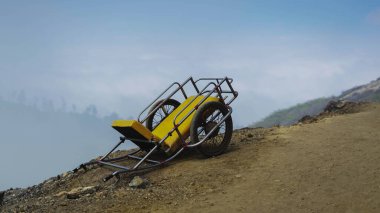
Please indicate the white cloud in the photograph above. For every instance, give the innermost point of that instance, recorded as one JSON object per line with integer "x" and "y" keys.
{"x": 270, "y": 73}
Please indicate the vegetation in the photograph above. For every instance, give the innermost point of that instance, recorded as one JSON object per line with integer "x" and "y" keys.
{"x": 293, "y": 114}
{"x": 369, "y": 92}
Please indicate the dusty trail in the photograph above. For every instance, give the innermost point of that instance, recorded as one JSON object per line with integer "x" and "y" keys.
{"x": 332, "y": 165}
{"x": 329, "y": 166}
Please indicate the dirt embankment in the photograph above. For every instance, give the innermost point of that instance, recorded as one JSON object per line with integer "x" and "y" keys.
{"x": 331, "y": 164}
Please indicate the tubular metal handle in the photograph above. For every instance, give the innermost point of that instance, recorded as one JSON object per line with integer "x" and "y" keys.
{"x": 107, "y": 178}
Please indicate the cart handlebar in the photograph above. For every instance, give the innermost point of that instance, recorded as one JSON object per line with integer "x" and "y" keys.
{"x": 217, "y": 82}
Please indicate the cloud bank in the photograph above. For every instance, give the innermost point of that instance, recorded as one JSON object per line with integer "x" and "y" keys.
{"x": 270, "y": 72}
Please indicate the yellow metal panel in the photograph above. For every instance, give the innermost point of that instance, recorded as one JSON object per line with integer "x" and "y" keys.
{"x": 173, "y": 142}
{"x": 137, "y": 126}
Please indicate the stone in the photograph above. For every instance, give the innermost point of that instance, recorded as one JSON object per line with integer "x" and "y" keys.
{"x": 61, "y": 194}
{"x": 72, "y": 196}
{"x": 77, "y": 192}
{"x": 49, "y": 181}
{"x": 65, "y": 174}
{"x": 307, "y": 119}
{"x": 1, "y": 197}
{"x": 137, "y": 182}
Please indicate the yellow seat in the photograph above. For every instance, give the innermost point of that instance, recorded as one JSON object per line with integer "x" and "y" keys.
{"x": 173, "y": 142}
{"x": 138, "y": 133}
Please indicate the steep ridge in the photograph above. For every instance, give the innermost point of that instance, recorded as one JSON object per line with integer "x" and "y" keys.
{"x": 368, "y": 92}
{"x": 331, "y": 164}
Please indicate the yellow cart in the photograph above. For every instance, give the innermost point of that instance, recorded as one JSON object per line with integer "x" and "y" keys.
{"x": 183, "y": 116}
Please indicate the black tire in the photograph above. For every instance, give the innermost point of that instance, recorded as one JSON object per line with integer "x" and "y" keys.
{"x": 218, "y": 141}
{"x": 160, "y": 114}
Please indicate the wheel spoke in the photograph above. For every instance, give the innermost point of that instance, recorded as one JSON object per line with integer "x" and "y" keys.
{"x": 215, "y": 141}
{"x": 161, "y": 112}
{"x": 211, "y": 121}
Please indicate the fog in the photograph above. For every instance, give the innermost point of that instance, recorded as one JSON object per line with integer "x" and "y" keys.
{"x": 37, "y": 144}
{"x": 66, "y": 66}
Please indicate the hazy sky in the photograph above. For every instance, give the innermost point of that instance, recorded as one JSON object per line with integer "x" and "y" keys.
{"x": 120, "y": 54}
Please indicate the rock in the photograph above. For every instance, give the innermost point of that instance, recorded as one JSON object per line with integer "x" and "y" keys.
{"x": 61, "y": 194}
{"x": 1, "y": 197}
{"x": 334, "y": 106}
{"x": 72, "y": 196}
{"x": 64, "y": 175}
{"x": 49, "y": 181}
{"x": 137, "y": 182}
{"x": 307, "y": 119}
{"x": 77, "y": 192}
{"x": 343, "y": 107}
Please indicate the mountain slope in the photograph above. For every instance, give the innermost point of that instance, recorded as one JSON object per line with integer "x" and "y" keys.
{"x": 293, "y": 114}
{"x": 369, "y": 92}
{"x": 331, "y": 165}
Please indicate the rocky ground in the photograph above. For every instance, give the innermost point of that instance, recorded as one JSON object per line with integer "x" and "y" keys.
{"x": 328, "y": 163}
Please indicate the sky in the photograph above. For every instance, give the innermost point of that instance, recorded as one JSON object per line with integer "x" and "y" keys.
{"x": 119, "y": 55}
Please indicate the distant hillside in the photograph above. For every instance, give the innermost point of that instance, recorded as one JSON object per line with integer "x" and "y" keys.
{"x": 368, "y": 92}
{"x": 293, "y": 114}
{"x": 52, "y": 140}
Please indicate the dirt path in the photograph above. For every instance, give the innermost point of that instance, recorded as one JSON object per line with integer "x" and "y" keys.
{"x": 329, "y": 166}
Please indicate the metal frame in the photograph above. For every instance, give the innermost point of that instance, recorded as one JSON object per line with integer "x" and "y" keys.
{"x": 216, "y": 90}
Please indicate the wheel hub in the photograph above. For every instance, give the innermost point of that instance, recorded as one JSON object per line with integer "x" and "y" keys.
{"x": 209, "y": 126}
